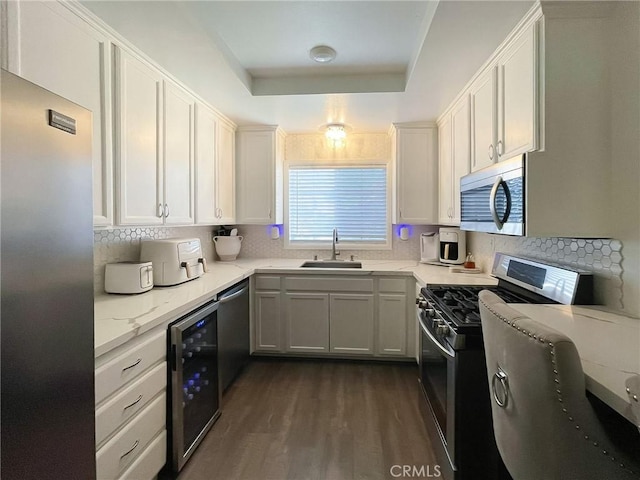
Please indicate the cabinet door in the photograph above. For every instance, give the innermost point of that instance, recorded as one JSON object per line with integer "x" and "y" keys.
{"x": 445, "y": 172}
{"x": 179, "y": 109}
{"x": 351, "y": 323}
{"x": 267, "y": 322}
{"x": 255, "y": 177}
{"x": 225, "y": 176}
{"x": 51, "y": 47}
{"x": 307, "y": 322}
{"x": 392, "y": 324}
{"x": 205, "y": 162}
{"x": 461, "y": 152}
{"x": 138, "y": 146}
{"x": 517, "y": 101}
{"x": 483, "y": 120}
{"x": 417, "y": 164}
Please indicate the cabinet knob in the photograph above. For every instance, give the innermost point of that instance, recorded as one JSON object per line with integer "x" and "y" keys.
{"x": 491, "y": 151}
{"x": 500, "y": 148}
{"x": 160, "y": 211}
{"x": 166, "y": 211}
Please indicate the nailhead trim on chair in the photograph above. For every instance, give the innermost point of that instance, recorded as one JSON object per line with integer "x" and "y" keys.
{"x": 556, "y": 380}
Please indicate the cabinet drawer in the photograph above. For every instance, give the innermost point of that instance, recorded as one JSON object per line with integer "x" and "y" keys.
{"x": 129, "y": 401}
{"x": 332, "y": 284}
{"x": 123, "y": 368}
{"x": 267, "y": 283}
{"x": 149, "y": 463}
{"x": 127, "y": 445}
{"x": 392, "y": 285}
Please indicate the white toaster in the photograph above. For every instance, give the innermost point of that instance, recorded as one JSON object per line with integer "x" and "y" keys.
{"x": 175, "y": 260}
{"x": 128, "y": 277}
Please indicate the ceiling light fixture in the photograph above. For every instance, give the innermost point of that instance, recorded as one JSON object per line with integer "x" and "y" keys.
{"x": 322, "y": 54}
{"x": 335, "y": 132}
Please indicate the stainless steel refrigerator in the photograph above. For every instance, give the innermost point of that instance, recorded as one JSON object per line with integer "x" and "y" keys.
{"x": 46, "y": 282}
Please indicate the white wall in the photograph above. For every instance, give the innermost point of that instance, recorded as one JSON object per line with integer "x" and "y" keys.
{"x": 625, "y": 152}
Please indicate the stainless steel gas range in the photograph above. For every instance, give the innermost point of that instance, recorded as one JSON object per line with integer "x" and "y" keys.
{"x": 456, "y": 404}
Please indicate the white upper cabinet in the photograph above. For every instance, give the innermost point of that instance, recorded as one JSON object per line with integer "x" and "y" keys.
{"x": 455, "y": 152}
{"x": 154, "y": 146}
{"x": 179, "y": 107}
{"x": 483, "y": 94}
{"x": 546, "y": 92}
{"x": 259, "y": 175}
{"x": 225, "y": 172}
{"x": 50, "y": 46}
{"x": 504, "y": 103}
{"x": 215, "y": 140}
{"x": 445, "y": 170}
{"x": 143, "y": 119}
{"x": 139, "y": 158}
{"x": 517, "y": 102}
{"x": 206, "y": 146}
{"x": 415, "y": 164}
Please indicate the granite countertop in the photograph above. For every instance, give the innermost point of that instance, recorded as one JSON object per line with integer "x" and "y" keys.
{"x": 120, "y": 318}
{"x": 608, "y": 344}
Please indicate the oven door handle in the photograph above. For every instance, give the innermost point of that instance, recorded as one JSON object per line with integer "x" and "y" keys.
{"x": 434, "y": 340}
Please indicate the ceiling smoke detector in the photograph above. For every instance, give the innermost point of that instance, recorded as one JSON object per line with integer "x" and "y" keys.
{"x": 322, "y": 54}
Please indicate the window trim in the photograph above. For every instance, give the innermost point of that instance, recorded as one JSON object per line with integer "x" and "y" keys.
{"x": 300, "y": 245}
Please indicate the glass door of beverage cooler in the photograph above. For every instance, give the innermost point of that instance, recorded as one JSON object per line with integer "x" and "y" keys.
{"x": 195, "y": 394}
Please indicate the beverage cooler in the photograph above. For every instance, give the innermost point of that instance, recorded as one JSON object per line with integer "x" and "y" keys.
{"x": 194, "y": 400}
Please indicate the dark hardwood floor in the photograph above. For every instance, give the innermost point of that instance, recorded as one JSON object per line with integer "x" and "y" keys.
{"x": 308, "y": 419}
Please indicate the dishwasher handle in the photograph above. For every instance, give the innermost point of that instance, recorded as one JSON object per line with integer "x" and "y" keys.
{"x": 227, "y": 297}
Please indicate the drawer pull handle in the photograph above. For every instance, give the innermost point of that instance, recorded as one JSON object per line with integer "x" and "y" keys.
{"x": 134, "y": 403}
{"x": 133, "y": 365}
{"x": 130, "y": 450}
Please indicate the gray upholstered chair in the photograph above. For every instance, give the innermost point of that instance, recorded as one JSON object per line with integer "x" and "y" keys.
{"x": 545, "y": 427}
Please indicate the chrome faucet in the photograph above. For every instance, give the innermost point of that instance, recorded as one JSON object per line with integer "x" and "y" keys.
{"x": 333, "y": 244}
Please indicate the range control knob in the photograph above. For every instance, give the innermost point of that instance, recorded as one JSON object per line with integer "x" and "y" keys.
{"x": 442, "y": 329}
{"x": 422, "y": 303}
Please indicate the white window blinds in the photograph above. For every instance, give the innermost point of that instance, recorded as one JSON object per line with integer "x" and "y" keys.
{"x": 351, "y": 199}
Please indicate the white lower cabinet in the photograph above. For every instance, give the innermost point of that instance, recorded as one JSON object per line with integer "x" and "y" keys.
{"x": 351, "y": 323}
{"x": 346, "y": 315}
{"x": 150, "y": 462}
{"x": 119, "y": 452}
{"x": 267, "y": 321}
{"x": 307, "y": 319}
{"x": 267, "y": 331}
{"x": 392, "y": 325}
{"x": 131, "y": 383}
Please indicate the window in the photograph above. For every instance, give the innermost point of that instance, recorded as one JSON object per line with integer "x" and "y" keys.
{"x": 351, "y": 199}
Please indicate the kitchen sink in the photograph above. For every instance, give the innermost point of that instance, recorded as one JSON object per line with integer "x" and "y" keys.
{"x": 331, "y": 264}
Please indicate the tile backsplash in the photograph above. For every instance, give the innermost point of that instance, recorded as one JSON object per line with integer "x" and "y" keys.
{"x": 603, "y": 257}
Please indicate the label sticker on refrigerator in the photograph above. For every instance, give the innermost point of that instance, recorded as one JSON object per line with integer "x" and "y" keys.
{"x": 58, "y": 120}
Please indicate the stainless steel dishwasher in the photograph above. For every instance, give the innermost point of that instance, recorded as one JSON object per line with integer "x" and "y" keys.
{"x": 233, "y": 332}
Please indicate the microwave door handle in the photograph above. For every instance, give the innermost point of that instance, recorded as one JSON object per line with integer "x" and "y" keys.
{"x": 492, "y": 202}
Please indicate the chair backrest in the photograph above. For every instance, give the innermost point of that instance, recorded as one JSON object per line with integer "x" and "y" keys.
{"x": 544, "y": 425}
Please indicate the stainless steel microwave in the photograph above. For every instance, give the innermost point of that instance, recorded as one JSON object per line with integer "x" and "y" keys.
{"x": 492, "y": 199}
